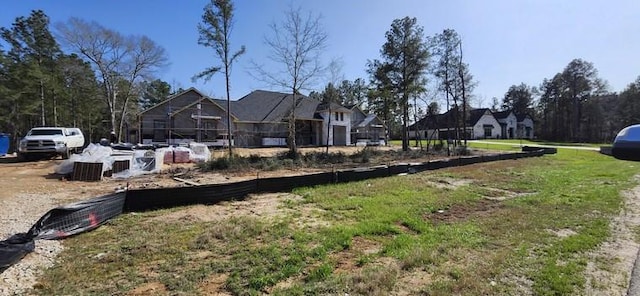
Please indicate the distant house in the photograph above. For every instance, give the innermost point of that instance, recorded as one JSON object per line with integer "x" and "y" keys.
{"x": 480, "y": 124}
{"x": 366, "y": 128}
{"x": 524, "y": 127}
{"x": 257, "y": 119}
{"x": 508, "y": 123}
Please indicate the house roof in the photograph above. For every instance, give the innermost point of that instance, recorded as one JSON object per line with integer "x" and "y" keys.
{"x": 334, "y": 107}
{"x": 269, "y": 106}
{"x": 522, "y": 117}
{"x": 368, "y": 120}
{"x": 171, "y": 97}
{"x": 264, "y": 106}
{"x": 502, "y": 114}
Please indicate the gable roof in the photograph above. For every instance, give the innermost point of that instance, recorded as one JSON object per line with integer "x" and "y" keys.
{"x": 522, "y": 117}
{"x": 324, "y": 106}
{"x": 502, "y": 114}
{"x": 269, "y": 106}
{"x": 476, "y": 114}
{"x": 171, "y": 97}
{"x": 371, "y": 118}
{"x": 261, "y": 106}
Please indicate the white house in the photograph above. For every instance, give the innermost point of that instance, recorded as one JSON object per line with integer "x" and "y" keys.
{"x": 508, "y": 123}
{"x": 480, "y": 124}
{"x": 336, "y": 124}
{"x": 524, "y": 127}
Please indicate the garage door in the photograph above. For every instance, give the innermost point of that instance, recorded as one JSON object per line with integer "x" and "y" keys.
{"x": 339, "y": 135}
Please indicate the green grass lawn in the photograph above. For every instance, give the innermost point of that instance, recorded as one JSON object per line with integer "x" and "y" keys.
{"x": 523, "y": 142}
{"x": 473, "y": 230}
{"x": 537, "y": 142}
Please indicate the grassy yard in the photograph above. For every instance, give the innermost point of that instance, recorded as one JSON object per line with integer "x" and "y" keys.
{"x": 486, "y": 229}
{"x": 533, "y": 143}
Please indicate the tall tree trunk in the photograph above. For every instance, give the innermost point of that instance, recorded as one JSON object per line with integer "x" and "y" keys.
{"x": 229, "y": 131}
{"x": 417, "y": 134}
{"x": 293, "y": 149}
{"x": 55, "y": 108}
{"x": 44, "y": 123}
{"x": 405, "y": 119}
{"x": 464, "y": 98}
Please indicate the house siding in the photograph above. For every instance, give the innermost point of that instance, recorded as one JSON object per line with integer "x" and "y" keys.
{"x": 486, "y": 120}
{"x": 173, "y": 120}
{"x": 525, "y": 128}
{"x": 341, "y": 126}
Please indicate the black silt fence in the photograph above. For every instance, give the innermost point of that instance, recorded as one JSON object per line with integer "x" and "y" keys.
{"x": 61, "y": 222}
{"x": 353, "y": 175}
{"x": 547, "y": 150}
{"x": 285, "y": 184}
{"x": 78, "y": 217}
{"x": 489, "y": 158}
{"x": 400, "y": 168}
{"x": 438, "y": 164}
{"x": 159, "y": 198}
{"x": 13, "y": 249}
{"x": 470, "y": 160}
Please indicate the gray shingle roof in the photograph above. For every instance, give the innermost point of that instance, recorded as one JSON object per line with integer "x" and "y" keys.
{"x": 268, "y": 106}
{"x": 501, "y": 114}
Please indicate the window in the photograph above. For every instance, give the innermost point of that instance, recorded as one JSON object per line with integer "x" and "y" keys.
{"x": 336, "y": 115}
{"x": 341, "y": 116}
{"x": 487, "y": 130}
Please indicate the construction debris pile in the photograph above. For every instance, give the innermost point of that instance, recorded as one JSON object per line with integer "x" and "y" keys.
{"x": 98, "y": 161}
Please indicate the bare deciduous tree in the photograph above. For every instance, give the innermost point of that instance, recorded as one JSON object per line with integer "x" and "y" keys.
{"x": 296, "y": 44}
{"x": 116, "y": 59}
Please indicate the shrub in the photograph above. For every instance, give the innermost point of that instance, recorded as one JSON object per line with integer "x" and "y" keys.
{"x": 225, "y": 163}
{"x": 364, "y": 155}
{"x": 220, "y": 163}
{"x": 325, "y": 158}
{"x": 289, "y": 155}
{"x": 255, "y": 158}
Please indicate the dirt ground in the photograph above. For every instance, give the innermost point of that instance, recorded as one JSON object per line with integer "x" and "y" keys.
{"x": 43, "y": 190}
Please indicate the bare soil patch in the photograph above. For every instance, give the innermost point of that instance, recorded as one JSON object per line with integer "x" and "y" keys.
{"x": 461, "y": 212}
{"x": 214, "y": 285}
{"x": 148, "y": 289}
{"x": 262, "y": 205}
{"x": 609, "y": 268}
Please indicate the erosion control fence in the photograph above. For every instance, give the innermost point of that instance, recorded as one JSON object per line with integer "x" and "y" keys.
{"x": 87, "y": 215}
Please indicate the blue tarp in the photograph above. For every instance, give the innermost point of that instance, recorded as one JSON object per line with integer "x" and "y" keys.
{"x": 4, "y": 144}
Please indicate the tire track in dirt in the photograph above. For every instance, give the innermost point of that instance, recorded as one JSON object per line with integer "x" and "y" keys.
{"x": 610, "y": 267}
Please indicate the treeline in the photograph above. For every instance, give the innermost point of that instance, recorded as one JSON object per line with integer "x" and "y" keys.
{"x": 577, "y": 106}
{"x": 98, "y": 84}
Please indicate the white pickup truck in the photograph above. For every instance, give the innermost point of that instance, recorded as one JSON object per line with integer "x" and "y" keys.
{"x": 49, "y": 141}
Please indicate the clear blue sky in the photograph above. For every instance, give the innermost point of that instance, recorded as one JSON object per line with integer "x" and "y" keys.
{"x": 505, "y": 42}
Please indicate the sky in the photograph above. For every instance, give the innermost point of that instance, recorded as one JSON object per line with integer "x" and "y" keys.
{"x": 505, "y": 42}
